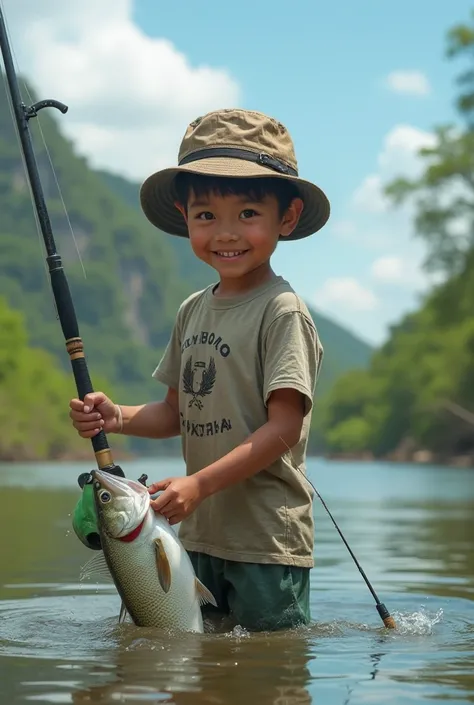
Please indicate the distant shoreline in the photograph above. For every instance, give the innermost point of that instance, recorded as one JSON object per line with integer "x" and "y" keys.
{"x": 421, "y": 457}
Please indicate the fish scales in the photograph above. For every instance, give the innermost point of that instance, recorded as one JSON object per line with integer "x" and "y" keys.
{"x": 147, "y": 562}
{"x": 133, "y": 567}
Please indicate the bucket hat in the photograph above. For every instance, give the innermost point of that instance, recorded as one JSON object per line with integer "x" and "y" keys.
{"x": 235, "y": 143}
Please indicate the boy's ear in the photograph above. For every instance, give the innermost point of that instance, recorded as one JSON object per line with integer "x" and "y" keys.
{"x": 291, "y": 217}
{"x": 182, "y": 210}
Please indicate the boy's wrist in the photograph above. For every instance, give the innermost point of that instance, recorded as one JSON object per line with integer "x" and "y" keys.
{"x": 118, "y": 418}
{"x": 204, "y": 483}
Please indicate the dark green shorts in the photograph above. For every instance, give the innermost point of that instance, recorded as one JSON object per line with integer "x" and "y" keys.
{"x": 258, "y": 596}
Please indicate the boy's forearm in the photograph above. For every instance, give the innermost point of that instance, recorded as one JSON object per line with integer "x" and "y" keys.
{"x": 153, "y": 420}
{"x": 259, "y": 451}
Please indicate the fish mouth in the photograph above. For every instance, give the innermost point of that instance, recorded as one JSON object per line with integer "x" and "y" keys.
{"x": 117, "y": 486}
{"x": 131, "y": 501}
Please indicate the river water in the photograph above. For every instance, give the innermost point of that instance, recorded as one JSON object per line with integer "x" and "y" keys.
{"x": 411, "y": 527}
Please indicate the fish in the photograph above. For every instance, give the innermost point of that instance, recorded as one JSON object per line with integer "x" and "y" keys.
{"x": 147, "y": 562}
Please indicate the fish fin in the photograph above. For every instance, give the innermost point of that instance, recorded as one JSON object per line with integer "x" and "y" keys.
{"x": 163, "y": 565}
{"x": 95, "y": 567}
{"x": 123, "y": 613}
{"x": 204, "y": 595}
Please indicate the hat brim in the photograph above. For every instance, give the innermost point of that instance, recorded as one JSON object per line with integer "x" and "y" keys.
{"x": 158, "y": 195}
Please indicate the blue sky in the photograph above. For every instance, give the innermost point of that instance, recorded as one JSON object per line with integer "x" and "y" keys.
{"x": 321, "y": 68}
{"x": 359, "y": 85}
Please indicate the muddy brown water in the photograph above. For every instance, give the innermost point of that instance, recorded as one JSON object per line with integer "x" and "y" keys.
{"x": 411, "y": 528}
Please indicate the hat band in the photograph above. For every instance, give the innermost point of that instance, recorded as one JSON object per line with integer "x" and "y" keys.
{"x": 262, "y": 158}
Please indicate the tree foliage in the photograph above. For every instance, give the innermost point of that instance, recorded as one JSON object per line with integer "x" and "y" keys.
{"x": 426, "y": 368}
{"x": 33, "y": 397}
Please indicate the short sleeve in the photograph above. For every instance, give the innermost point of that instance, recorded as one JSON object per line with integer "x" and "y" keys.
{"x": 292, "y": 356}
{"x": 168, "y": 369}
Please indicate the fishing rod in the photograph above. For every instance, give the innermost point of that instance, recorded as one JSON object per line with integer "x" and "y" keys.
{"x": 384, "y": 614}
{"x": 63, "y": 298}
{"x": 59, "y": 283}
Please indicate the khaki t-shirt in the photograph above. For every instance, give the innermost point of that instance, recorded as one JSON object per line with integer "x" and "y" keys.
{"x": 225, "y": 357}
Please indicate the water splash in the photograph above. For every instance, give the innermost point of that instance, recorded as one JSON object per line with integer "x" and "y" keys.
{"x": 417, "y": 623}
{"x": 239, "y": 632}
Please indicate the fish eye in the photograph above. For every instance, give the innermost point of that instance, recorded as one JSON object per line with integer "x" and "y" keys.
{"x": 104, "y": 496}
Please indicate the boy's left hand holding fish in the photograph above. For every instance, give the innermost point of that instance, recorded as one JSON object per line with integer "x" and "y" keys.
{"x": 181, "y": 495}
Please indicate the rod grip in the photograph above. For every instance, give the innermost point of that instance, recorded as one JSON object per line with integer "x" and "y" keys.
{"x": 84, "y": 386}
{"x": 63, "y": 298}
{"x": 75, "y": 347}
{"x": 385, "y": 616}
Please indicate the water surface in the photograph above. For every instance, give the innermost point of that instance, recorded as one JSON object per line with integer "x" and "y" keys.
{"x": 410, "y": 527}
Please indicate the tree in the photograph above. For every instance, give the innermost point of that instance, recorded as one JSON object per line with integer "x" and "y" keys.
{"x": 444, "y": 195}
{"x": 420, "y": 384}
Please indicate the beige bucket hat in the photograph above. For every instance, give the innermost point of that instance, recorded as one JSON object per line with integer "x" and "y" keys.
{"x": 237, "y": 143}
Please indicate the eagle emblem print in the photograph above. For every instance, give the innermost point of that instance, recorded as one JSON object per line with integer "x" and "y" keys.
{"x": 206, "y": 384}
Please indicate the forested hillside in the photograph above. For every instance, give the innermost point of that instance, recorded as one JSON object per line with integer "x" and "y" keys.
{"x": 127, "y": 280}
{"x": 416, "y": 400}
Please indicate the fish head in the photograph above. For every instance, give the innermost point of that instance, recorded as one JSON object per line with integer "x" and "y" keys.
{"x": 121, "y": 504}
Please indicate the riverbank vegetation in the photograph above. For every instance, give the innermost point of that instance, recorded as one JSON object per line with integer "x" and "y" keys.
{"x": 416, "y": 398}
{"x": 412, "y": 399}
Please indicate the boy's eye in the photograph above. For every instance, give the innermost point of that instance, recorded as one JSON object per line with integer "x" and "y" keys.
{"x": 248, "y": 213}
{"x": 205, "y": 215}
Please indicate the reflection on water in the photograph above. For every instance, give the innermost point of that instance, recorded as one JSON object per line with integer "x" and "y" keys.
{"x": 411, "y": 528}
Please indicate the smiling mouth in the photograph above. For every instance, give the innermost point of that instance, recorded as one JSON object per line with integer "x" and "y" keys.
{"x": 225, "y": 254}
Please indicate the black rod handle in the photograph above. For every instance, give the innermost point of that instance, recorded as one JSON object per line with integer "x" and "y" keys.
{"x": 60, "y": 287}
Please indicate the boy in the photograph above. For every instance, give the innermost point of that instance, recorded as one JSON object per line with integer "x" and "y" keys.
{"x": 240, "y": 368}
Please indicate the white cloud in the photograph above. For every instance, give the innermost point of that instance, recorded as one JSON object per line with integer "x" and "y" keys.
{"x": 403, "y": 272}
{"x": 382, "y": 240}
{"x": 369, "y": 196}
{"x": 370, "y": 237}
{"x": 412, "y": 82}
{"x": 130, "y": 96}
{"x": 401, "y": 148}
{"x": 388, "y": 269}
{"x": 345, "y": 293}
{"x": 399, "y": 156}
{"x": 399, "y": 271}
{"x": 343, "y": 228}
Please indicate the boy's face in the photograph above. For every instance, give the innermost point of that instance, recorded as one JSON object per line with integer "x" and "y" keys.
{"x": 236, "y": 235}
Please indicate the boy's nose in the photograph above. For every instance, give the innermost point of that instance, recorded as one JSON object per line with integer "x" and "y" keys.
{"x": 226, "y": 235}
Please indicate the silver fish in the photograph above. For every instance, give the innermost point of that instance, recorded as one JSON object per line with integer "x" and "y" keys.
{"x": 148, "y": 564}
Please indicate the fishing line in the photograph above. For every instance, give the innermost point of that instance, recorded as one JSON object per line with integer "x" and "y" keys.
{"x": 385, "y": 615}
{"x": 23, "y": 161}
{"x": 48, "y": 154}
{"x": 59, "y": 283}
{"x": 44, "y": 266}
{"x": 25, "y": 169}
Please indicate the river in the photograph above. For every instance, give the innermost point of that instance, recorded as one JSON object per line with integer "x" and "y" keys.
{"x": 411, "y": 527}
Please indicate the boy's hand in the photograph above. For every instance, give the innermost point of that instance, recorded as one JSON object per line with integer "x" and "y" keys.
{"x": 97, "y": 412}
{"x": 180, "y": 497}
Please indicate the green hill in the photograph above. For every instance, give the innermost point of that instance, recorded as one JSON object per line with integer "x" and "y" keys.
{"x": 127, "y": 282}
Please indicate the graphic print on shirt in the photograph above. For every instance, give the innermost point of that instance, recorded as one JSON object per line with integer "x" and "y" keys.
{"x": 206, "y": 385}
{"x": 198, "y": 381}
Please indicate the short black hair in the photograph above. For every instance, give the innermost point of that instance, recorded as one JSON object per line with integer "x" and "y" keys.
{"x": 256, "y": 189}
